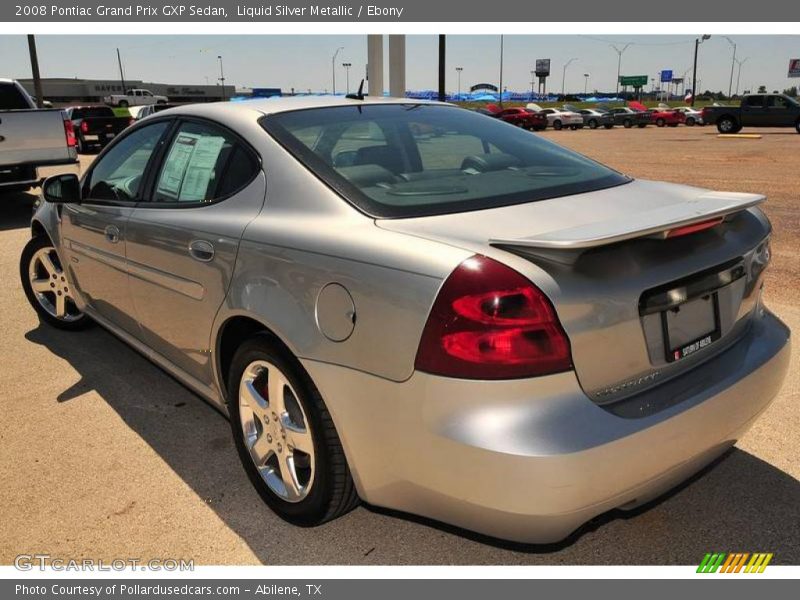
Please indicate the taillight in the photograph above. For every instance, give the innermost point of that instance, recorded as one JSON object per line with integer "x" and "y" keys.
{"x": 693, "y": 228}
{"x": 84, "y": 127}
{"x": 489, "y": 322}
{"x": 69, "y": 131}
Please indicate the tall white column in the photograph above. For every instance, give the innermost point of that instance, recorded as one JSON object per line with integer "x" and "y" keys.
{"x": 397, "y": 66}
{"x": 375, "y": 64}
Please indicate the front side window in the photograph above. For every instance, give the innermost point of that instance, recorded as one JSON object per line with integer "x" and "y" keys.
{"x": 203, "y": 164}
{"x": 777, "y": 102}
{"x": 119, "y": 174}
{"x": 432, "y": 159}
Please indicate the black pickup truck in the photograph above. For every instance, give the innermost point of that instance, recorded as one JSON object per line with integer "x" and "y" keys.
{"x": 95, "y": 125}
{"x": 756, "y": 110}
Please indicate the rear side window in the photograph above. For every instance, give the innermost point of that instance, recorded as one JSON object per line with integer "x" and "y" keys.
{"x": 754, "y": 101}
{"x": 11, "y": 98}
{"x": 202, "y": 164}
{"x": 418, "y": 159}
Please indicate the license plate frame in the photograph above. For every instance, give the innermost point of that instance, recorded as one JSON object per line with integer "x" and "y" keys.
{"x": 679, "y": 351}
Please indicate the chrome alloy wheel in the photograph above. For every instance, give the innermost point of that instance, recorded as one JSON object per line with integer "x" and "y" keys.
{"x": 276, "y": 431}
{"x": 50, "y": 286}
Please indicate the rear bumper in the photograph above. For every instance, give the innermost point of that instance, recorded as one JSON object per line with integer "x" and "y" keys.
{"x": 532, "y": 460}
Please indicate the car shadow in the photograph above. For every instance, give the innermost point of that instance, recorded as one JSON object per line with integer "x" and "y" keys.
{"x": 17, "y": 209}
{"x": 740, "y": 503}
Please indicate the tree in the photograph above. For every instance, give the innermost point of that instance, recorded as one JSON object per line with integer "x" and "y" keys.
{"x": 762, "y": 89}
{"x": 792, "y": 91}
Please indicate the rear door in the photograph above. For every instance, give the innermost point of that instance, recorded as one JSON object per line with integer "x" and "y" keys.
{"x": 94, "y": 231}
{"x": 183, "y": 239}
{"x": 779, "y": 112}
{"x": 754, "y": 112}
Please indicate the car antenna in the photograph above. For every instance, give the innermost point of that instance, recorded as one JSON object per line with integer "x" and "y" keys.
{"x": 359, "y": 95}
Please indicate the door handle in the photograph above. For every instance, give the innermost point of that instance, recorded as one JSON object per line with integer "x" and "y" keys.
{"x": 112, "y": 234}
{"x": 201, "y": 250}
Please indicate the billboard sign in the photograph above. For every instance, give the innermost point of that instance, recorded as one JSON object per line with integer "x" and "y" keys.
{"x": 542, "y": 67}
{"x": 633, "y": 80}
{"x": 794, "y": 67}
{"x": 666, "y": 76}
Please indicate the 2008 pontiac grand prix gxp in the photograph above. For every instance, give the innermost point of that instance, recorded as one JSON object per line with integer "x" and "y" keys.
{"x": 420, "y": 306}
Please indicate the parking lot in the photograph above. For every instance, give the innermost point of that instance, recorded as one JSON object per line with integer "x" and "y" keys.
{"x": 105, "y": 456}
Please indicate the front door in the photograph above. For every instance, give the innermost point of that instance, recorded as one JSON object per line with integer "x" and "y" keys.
{"x": 94, "y": 230}
{"x": 182, "y": 241}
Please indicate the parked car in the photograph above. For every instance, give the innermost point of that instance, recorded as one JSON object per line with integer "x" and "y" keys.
{"x": 693, "y": 116}
{"x": 95, "y": 125}
{"x": 140, "y": 112}
{"x": 593, "y": 118}
{"x": 756, "y": 110}
{"x": 628, "y": 117}
{"x": 31, "y": 138}
{"x": 666, "y": 117}
{"x": 136, "y": 97}
{"x": 558, "y": 118}
{"x": 524, "y": 118}
{"x": 481, "y": 327}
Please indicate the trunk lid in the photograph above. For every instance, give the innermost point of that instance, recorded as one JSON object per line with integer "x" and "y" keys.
{"x": 627, "y": 297}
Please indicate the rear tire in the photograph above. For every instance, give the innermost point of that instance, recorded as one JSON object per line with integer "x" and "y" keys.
{"x": 123, "y": 104}
{"x": 690, "y": 122}
{"x": 797, "y": 126}
{"x": 627, "y": 123}
{"x": 592, "y": 123}
{"x": 557, "y": 125}
{"x": 329, "y": 491}
{"x": 727, "y": 125}
{"x": 660, "y": 122}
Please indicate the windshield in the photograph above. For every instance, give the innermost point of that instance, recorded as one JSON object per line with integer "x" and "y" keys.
{"x": 403, "y": 160}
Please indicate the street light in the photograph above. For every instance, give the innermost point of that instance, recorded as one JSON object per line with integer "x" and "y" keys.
{"x": 733, "y": 63}
{"x": 619, "y": 62}
{"x": 739, "y": 73}
{"x": 221, "y": 77}
{"x": 347, "y": 74}
{"x": 333, "y": 68}
{"x": 532, "y": 82}
{"x": 564, "y": 74}
{"x": 585, "y": 83}
{"x": 697, "y": 43}
{"x": 458, "y": 70}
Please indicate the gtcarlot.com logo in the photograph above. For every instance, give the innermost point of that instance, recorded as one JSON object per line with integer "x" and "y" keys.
{"x": 735, "y": 562}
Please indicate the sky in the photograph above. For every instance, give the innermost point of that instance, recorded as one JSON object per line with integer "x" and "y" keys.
{"x": 304, "y": 62}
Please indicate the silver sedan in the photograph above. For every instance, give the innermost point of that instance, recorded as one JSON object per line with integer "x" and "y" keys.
{"x": 421, "y": 307}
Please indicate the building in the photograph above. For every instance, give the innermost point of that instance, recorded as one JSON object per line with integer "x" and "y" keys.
{"x": 70, "y": 91}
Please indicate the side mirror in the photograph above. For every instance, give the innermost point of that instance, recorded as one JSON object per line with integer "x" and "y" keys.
{"x": 62, "y": 189}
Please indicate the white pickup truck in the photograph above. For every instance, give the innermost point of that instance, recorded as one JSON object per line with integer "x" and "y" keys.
{"x": 31, "y": 138}
{"x": 135, "y": 98}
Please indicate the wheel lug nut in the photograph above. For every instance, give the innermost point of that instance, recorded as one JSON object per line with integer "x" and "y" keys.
{"x": 269, "y": 438}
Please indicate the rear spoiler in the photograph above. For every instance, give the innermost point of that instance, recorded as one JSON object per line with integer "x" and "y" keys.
{"x": 654, "y": 223}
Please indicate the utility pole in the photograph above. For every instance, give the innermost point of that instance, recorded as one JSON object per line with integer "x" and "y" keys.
{"x": 347, "y": 66}
{"x": 739, "y": 72}
{"x": 585, "y": 83}
{"x": 442, "y": 56}
{"x": 333, "y": 68}
{"x": 564, "y": 74}
{"x": 619, "y": 62}
{"x": 533, "y": 73}
{"x": 37, "y": 80}
{"x": 501, "y": 70}
{"x": 458, "y": 70}
{"x": 121, "y": 73}
{"x": 697, "y": 43}
{"x": 222, "y": 78}
{"x": 733, "y": 63}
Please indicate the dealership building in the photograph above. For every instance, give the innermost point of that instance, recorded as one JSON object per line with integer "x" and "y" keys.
{"x": 69, "y": 91}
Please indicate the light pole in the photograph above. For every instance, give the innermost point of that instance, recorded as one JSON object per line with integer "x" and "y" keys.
{"x": 564, "y": 74}
{"x": 333, "y": 68}
{"x": 739, "y": 73}
{"x": 533, "y": 73}
{"x": 697, "y": 43}
{"x": 347, "y": 74}
{"x": 585, "y": 83}
{"x": 458, "y": 70}
{"x": 620, "y": 52}
{"x": 222, "y": 78}
{"x": 733, "y": 63}
{"x": 501, "y": 70}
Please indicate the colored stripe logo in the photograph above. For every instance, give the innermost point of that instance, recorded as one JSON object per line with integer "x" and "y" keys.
{"x": 735, "y": 562}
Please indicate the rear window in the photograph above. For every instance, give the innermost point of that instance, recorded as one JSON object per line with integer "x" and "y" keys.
{"x": 11, "y": 98}
{"x": 90, "y": 112}
{"x": 409, "y": 160}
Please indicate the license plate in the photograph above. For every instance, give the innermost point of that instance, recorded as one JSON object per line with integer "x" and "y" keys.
{"x": 691, "y": 326}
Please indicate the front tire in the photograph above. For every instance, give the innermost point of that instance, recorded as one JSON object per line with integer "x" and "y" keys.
{"x": 797, "y": 126}
{"x": 47, "y": 288}
{"x": 690, "y": 122}
{"x": 627, "y": 123}
{"x": 592, "y": 123}
{"x": 123, "y": 104}
{"x": 285, "y": 436}
{"x": 660, "y": 122}
{"x": 727, "y": 125}
{"x": 557, "y": 125}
